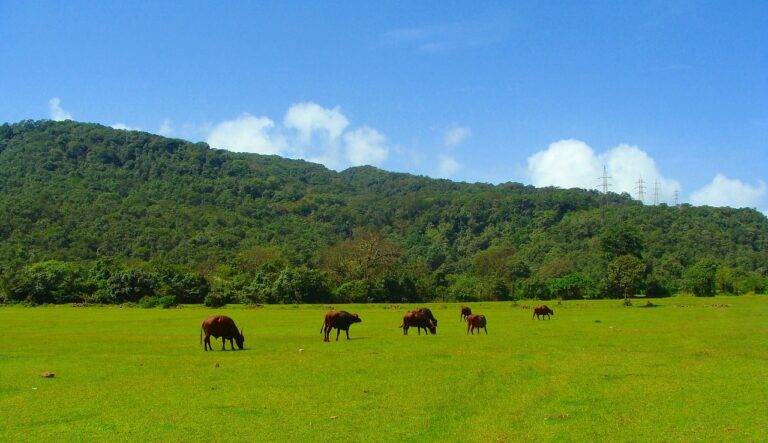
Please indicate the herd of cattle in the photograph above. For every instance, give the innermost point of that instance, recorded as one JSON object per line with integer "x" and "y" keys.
{"x": 223, "y": 327}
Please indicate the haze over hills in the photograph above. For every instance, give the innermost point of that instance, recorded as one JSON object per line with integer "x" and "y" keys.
{"x": 84, "y": 193}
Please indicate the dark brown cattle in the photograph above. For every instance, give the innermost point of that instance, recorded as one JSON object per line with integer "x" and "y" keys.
{"x": 420, "y": 318}
{"x": 341, "y": 320}
{"x": 465, "y": 312}
{"x": 224, "y": 327}
{"x": 428, "y": 314}
{"x": 476, "y": 321}
{"x": 540, "y": 311}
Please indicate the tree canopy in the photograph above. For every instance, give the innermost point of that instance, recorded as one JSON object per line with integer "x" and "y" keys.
{"x": 90, "y": 211}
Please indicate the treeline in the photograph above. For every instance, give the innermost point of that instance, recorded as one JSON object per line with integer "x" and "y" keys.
{"x": 365, "y": 269}
{"x": 94, "y": 214}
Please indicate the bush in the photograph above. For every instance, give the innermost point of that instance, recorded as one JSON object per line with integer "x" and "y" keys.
{"x": 215, "y": 300}
{"x": 148, "y": 302}
{"x": 131, "y": 285}
{"x": 532, "y": 288}
{"x": 49, "y": 282}
{"x": 167, "y": 301}
{"x": 356, "y": 291}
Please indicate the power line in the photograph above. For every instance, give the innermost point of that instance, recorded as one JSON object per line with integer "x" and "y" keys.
{"x": 655, "y": 192}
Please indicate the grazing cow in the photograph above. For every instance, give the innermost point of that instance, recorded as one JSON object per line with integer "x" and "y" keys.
{"x": 540, "y": 311}
{"x": 341, "y": 320}
{"x": 428, "y": 314}
{"x": 465, "y": 312}
{"x": 476, "y": 321}
{"x": 224, "y": 327}
{"x": 420, "y": 318}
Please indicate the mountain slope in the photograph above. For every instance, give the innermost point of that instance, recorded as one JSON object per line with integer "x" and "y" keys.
{"x": 79, "y": 192}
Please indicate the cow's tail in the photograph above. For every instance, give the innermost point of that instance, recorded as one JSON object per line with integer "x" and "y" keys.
{"x": 322, "y": 327}
{"x": 201, "y": 334}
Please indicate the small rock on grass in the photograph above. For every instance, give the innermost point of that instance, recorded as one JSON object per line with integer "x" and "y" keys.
{"x": 47, "y": 374}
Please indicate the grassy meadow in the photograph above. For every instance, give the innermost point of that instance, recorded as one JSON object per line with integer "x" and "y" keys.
{"x": 689, "y": 369}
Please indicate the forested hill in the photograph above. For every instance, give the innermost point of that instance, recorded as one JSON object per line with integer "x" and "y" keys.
{"x": 76, "y": 195}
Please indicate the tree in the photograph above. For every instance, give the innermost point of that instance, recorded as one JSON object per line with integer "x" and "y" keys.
{"x": 700, "y": 278}
{"x": 570, "y": 287}
{"x": 624, "y": 276}
{"x": 621, "y": 240}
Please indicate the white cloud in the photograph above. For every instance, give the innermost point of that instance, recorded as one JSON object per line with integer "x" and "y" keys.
{"x": 456, "y": 135}
{"x": 365, "y": 146}
{"x": 57, "y": 112}
{"x": 447, "y": 166}
{"x": 574, "y": 164}
{"x": 247, "y": 133}
{"x": 309, "y": 131}
{"x": 723, "y": 191}
{"x": 124, "y": 127}
{"x": 165, "y": 128}
{"x": 309, "y": 118}
{"x": 566, "y": 163}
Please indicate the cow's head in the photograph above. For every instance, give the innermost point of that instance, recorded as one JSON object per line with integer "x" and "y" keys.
{"x": 240, "y": 339}
{"x": 550, "y": 311}
{"x": 432, "y": 326}
{"x": 356, "y": 319}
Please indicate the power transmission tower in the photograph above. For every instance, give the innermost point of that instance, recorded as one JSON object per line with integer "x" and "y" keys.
{"x": 640, "y": 189}
{"x": 655, "y": 192}
{"x": 604, "y": 185}
{"x": 676, "y": 197}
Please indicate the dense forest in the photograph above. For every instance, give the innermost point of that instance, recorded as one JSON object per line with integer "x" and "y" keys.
{"x": 97, "y": 215}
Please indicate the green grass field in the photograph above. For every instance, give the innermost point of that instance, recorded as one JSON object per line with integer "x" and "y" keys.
{"x": 690, "y": 369}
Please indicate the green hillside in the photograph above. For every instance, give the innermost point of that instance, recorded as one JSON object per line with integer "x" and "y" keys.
{"x": 94, "y": 213}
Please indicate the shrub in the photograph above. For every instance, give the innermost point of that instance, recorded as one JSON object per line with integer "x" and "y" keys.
{"x": 167, "y": 301}
{"x": 148, "y": 302}
{"x": 215, "y": 300}
{"x": 570, "y": 287}
{"x": 131, "y": 285}
{"x": 355, "y": 291}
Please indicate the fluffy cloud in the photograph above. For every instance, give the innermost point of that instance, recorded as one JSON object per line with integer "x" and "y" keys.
{"x": 247, "y": 133}
{"x": 310, "y": 118}
{"x": 57, "y": 112}
{"x": 309, "y": 131}
{"x": 447, "y": 166}
{"x": 456, "y": 135}
{"x": 165, "y": 128}
{"x": 365, "y": 146}
{"x": 574, "y": 164}
{"x": 723, "y": 191}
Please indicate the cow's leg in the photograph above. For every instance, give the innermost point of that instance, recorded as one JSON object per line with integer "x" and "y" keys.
{"x": 326, "y": 332}
{"x": 405, "y": 330}
{"x": 338, "y": 331}
{"x": 486, "y": 330}
{"x": 347, "y": 331}
{"x": 223, "y": 344}
{"x": 468, "y": 326}
{"x": 418, "y": 329}
{"x": 207, "y": 341}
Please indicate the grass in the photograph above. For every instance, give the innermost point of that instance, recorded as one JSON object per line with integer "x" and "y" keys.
{"x": 689, "y": 369}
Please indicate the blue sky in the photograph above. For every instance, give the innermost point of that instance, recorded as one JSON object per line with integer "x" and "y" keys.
{"x": 542, "y": 93}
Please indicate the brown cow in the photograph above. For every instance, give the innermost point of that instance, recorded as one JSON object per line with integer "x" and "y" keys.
{"x": 428, "y": 314}
{"x": 540, "y": 311}
{"x": 476, "y": 321}
{"x": 465, "y": 312}
{"x": 224, "y": 327}
{"x": 339, "y": 320}
{"x": 419, "y": 318}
